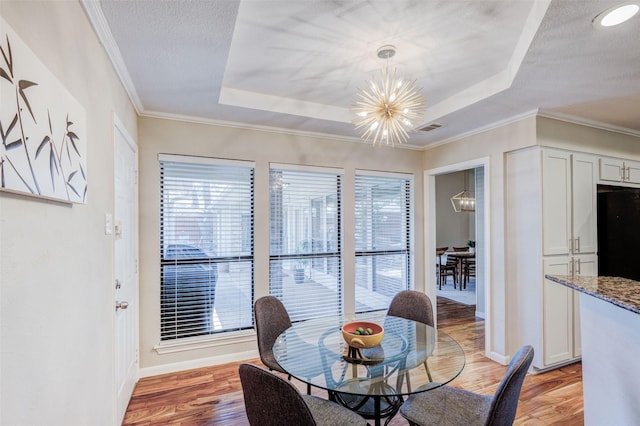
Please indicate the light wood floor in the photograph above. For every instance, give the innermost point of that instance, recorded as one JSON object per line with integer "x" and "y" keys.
{"x": 213, "y": 395}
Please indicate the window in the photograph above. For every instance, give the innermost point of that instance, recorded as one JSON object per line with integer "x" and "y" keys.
{"x": 383, "y": 229}
{"x": 206, "y": 246}
{"x": 305, "y": 268}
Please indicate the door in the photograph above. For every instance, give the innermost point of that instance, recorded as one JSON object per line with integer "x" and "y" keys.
{"x": 556, "y": 202}
{"x": 126, "y": 273}
{"x": 584, "y": 197}
{"x": 557, "y": 313}
{"x": 586, "y": 265}
{"x": 611, "y": 169}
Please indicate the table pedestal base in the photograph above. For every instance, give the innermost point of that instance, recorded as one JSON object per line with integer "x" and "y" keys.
{"x": 375, "y": 407}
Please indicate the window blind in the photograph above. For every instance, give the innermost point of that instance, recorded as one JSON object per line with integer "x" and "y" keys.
{"x": 383, "y": 239}
{"x": 305, "y": 269}
{"x": 206, "y": 247}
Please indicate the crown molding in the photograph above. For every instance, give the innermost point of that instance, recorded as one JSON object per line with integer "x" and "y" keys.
{"x": 589, "y": 123}
{"x": 101, "y": 27}
{"x": 262, "y": 128}
{"x": 483, "y": 129}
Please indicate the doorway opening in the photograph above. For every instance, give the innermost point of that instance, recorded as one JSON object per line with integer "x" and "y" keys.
{"x": 465, "y": 231}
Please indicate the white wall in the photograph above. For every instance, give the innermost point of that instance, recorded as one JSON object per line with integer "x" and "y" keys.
{"x": 262, "y": 147}
{"x": 56, "y": 287}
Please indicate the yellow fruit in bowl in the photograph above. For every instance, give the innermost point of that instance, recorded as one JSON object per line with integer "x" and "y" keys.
{"x": 362, "y": 334}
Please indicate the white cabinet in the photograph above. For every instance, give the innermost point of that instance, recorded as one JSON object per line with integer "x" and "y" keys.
{"x": 551, "y": 228}
{"x": 561, "y": 308}
{"x": 569, "y": 203}
{"x": 617, "y": 170}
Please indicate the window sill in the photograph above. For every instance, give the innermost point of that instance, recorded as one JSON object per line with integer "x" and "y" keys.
{"x": 208, "y": 342}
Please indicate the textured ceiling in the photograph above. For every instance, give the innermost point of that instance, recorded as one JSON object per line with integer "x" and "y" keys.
{"x": 297, "y": 64}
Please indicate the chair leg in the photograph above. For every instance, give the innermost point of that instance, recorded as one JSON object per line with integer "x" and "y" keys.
{"x": 428, "y": 372}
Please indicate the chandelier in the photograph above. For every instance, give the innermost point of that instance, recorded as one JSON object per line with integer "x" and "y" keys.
{"x": 389, "y": 110}
{"x": 464, "y": 201}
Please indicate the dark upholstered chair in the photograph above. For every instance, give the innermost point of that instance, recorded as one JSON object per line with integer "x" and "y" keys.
{"x": 271, "y": 400}
{"x": 451, "y": 406}
{"x": 412, "y": 305}
{"x": 416, "y": 306}
{"x": 272, "y": 319}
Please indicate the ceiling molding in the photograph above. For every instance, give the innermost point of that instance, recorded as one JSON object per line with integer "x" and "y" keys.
{"x": 100, "y": 26}
{"x": 483, "y": 129}
{"x": 589, "y": 123}
{"x": 269, "y": 129}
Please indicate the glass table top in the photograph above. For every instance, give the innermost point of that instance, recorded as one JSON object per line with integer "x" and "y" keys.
{"x": 411, "y": 358}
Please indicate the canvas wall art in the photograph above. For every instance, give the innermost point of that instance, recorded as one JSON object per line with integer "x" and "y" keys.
{"x": 43, "y": 127}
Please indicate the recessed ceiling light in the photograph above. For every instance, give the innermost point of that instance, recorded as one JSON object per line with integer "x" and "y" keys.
{"x": 617, "y": 15}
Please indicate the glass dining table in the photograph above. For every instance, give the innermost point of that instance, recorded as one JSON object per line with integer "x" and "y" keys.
{"x": 411, "y": 358}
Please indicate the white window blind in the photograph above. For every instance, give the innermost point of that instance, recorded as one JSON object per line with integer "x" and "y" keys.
{"x": 383, "y": 239}
{"x": 206, "y": 244}
{"x": 306, "y": 242}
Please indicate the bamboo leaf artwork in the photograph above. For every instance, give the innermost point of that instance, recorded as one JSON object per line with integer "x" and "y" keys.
{"x": 39, "y": 121}
{"x": 22, "y": 86}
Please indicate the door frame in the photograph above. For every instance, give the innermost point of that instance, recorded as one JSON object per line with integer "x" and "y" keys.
{"x": 430, "y": 235}
{"x": 120, "y": 128}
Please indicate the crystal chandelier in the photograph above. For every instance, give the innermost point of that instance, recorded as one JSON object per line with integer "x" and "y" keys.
{"x": 390, "y": 108}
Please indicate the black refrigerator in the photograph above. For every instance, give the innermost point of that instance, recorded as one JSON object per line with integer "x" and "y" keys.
{"x": 619, "y": 232}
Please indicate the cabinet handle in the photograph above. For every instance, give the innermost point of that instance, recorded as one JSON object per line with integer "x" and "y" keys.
{"x": 628, "y": 173}
{"x": 579, "y": 266}
{"x": 577, "y": 245}
{"x": 571, "y": 267}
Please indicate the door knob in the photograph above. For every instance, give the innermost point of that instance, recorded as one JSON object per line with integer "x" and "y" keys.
{"x": 122, "y": 305}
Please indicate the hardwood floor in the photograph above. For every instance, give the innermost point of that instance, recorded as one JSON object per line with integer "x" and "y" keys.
{"x": 213, "y": 395}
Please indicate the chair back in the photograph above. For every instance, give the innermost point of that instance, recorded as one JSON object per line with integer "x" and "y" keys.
{"x": 465, "y": 248}
{"x": 505, "y": 401}
{"x": 412, "y": 305}
{"x": 271, "y": 400}
{"x": 272, "y": 319}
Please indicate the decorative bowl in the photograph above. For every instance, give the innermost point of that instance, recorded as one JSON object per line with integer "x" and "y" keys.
{"x": 362, "y": 341}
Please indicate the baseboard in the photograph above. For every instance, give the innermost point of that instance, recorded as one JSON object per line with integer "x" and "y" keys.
{"x": 196, "y": 363}
{"x": 499, "y": 358}
{"x": 479, "y": 314}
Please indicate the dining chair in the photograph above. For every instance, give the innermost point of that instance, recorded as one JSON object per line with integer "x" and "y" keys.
{"x": 271, "y": 400}
{"x": 439, "y": 252}
{"x": 271, "y": 319}
{"x": 450, "y": 268}
{"x": 415, "y": 306}
{"x": 468, "y": 271}
{"x": 449, "y": 406}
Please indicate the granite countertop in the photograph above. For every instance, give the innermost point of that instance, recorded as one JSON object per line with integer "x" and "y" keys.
{"x": 621, "y": 292}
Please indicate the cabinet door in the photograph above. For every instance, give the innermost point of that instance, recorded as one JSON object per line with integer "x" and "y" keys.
{"x": 584, "y": 206}
{"x": 633, "y": 171}
{"x": 611, "y": 169}
{"x": 556, "y": 202}
{"x": 557, "y": 313}
{"x": 586, "y": 265}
